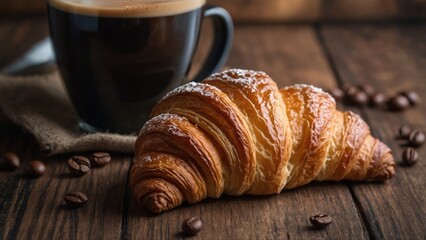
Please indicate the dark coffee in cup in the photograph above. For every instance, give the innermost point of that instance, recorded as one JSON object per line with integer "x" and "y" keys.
{"x": 117, "y": 58}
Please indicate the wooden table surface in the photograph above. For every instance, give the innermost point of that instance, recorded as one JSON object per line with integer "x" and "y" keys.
{"x": 391, "y": 57}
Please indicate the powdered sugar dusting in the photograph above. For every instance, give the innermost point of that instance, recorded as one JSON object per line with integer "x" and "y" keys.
{"x": 165, "y": 119}
{"x": 148, "y": 127}
{"x": 193, "y": 87}
{"x": 147, "y": 158}
{"x": 248, "y": 79}
{"x": 312, "y": 88}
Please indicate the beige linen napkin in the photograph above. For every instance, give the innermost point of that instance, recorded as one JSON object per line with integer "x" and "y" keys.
{"x": 40, "y": 105}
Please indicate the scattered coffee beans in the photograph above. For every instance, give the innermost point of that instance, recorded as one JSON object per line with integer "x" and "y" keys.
{"x": 79, "y": 165}
{"x": 192, "y": 226}
{"x": 320, "y": 220}
{"x": 11, "y": 161}
{"x": 416, "y": 138}
{"x": 378, "y": 100}
{"x": 410, "y": 156}
{"x": 36, "y": 168}
{"x": 75, "y": 199}
{"x": 362, "y": 94}
{"x": 398, "y": 103}
{"x": 404, "y": 132}
{"x": 412, "y": 97}
{"x": 337, "y": 93}
{"x": 368, "y": 89}
{"x": 100, "y": 159}
{"x": 358, "y": 98}
{"x": 351, "y": 90}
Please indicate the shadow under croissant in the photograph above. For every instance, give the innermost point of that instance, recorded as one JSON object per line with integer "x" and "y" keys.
{"x": 136, "y": 210}
{"x": 226, "y": 200}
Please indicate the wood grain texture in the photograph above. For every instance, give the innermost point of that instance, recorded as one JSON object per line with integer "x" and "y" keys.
{"x": 100, "y": 218}
{"x": 11, "y": 139}
{"x": 289, "y": 54}
{"x": 322, "y": 10}
{"x": 391, "y": 58}
{"x": 33, "y": 208}
{"x": 271, "y": 10}
{"x": 283, "y": 216}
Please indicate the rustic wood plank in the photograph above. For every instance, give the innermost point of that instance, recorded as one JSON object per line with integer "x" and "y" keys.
{"x": 283, "y": 216}
{"x": 33, "y": 208}
{"x": 320, "y": 10}
{"x": 289, "y": 54}
{"x": 100, "y": 218}
{"x": 11, "y": 139}
{"x": 372, "y": 10}
{"x": 391, "y": 58}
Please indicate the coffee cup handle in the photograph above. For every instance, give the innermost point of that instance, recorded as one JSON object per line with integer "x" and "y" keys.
{"x": 223, "y": 35}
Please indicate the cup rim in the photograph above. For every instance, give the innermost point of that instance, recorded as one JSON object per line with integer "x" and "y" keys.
{"x": 127, "y": 8}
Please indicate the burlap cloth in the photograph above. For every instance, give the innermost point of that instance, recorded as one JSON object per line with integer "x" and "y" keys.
{"x": 40, "y": 105}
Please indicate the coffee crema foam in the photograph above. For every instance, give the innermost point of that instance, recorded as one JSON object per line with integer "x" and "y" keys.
{"x": 127, "y": 8}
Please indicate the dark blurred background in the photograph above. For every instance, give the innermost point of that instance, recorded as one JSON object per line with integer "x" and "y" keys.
{"x": 282, "y": 10}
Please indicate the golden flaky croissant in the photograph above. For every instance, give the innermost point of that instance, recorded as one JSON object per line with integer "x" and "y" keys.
{"x": 237, "y": 133}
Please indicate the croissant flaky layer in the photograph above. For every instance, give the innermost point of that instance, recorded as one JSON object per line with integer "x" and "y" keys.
{"x": 237, "y": 133}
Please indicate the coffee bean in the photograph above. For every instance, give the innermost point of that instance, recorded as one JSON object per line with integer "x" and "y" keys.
{"x": 368, "y": 89}
{"x": 337, "y": 93}
{"x": 37, "y": 168}
{"x": 410, "y": 156}
{"x": 351, "y": 90}
{"x": 79, "y": 165}
{"x": 412, "y": 97}
{"x": 75, "y": 199}
{"x": 359, "y": 98}
{"x": 11, "y": 161}
{"x": 404, "y": 132}
{"x": 320, "y": 220}
{"x": 399, "y": 103}
{"x": 378, "y": 100}
{"x": 417, "y": 138}
{"x": 192, "y": 226}
{"x": 100, "y": 159}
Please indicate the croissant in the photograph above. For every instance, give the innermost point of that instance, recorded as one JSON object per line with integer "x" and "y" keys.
{"x": 237, "y": 133}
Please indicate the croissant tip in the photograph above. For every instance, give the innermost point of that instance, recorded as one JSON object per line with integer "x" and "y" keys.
{"x": 157, "y": 204}
{"x": 388, "y": 171}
